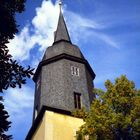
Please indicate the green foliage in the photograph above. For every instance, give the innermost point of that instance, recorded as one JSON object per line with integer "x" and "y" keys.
{"x": 11, "y": 73}
{"x": 8, "y": 26}
{"x": 80, "y": 113}
{"x": 4, "y": 123}
{"x": 115, "y": 113}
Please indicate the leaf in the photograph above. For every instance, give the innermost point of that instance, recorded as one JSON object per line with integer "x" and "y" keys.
{"x": 115, "y": 113}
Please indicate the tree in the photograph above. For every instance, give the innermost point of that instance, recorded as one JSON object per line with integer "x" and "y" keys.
{"x": 4, "y": 123}
{"x": 114, "y": 114}
{"x": 11, "y": 73}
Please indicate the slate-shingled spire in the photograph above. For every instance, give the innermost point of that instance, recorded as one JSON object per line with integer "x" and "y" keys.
{"x": 61, "y": 32}
{"x": 64, "y": 78}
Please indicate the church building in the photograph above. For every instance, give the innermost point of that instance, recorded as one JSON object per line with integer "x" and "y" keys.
{"x": 63, "y": 83}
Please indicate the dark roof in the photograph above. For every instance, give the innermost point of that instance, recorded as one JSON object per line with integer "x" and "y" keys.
{"x": 61, "y": 32}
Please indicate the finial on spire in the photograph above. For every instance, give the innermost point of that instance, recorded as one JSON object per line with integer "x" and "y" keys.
{"x": 60, "y": 4}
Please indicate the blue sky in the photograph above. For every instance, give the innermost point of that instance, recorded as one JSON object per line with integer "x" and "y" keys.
{"x": 106, "y": 31}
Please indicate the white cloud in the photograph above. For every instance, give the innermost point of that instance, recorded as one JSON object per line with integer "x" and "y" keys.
{"x": 20, "y": 45}
{"x": 19, "y": 104}
{"x": 40, "y": 32}
{"x": 42, "y": 27}
{"x": 45, "y": 23}
{"x": 88, "y": 28}
{"x": 107, "y": 39}
{"x": 80, "y": 21}
{"x": 18, "y": 100}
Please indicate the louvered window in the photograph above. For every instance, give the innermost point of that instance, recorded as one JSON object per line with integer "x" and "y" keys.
{"x": 74, "y": 70}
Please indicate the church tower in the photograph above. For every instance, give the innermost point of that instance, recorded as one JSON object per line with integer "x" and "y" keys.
{"x": 63, "y": 83}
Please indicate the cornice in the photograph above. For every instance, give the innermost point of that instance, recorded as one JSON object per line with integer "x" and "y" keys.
{"x": 63, "y": 56}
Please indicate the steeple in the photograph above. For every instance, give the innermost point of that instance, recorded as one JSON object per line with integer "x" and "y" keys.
{"x": 63, "y": 83}
{"x": 61, "y": 74}
{"x": 61, "y": 32}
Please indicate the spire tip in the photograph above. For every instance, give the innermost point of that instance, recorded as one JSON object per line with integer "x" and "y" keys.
{"x": 60, "y": 4}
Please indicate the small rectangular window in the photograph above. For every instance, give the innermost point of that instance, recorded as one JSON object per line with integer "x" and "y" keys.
{"x": 74, "y": 71}
{"x": 77, "y": 71}
{"x": 77, "y": 100}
